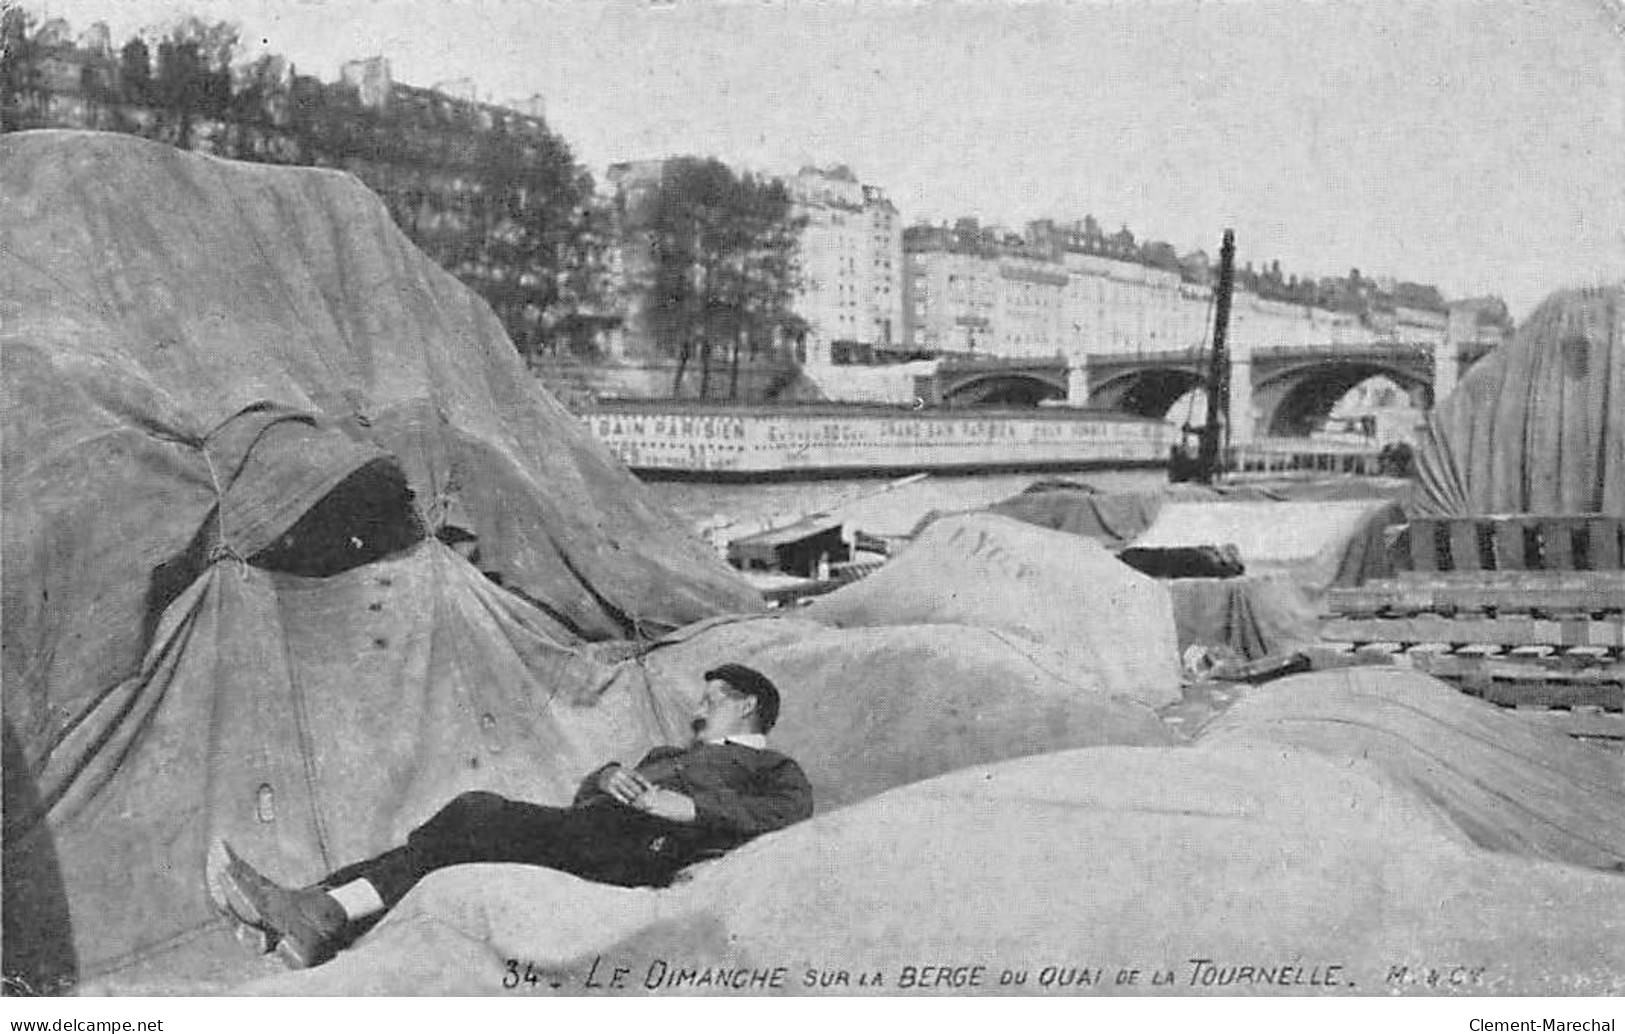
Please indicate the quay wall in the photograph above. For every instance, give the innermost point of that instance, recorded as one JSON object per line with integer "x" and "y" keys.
{"x": 580, "y": 383}
{"x": 803, "y": 441}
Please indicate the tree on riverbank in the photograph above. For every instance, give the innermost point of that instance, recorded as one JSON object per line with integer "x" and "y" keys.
{"x": 491, "y": 194}
{"x": 724, "y": 271}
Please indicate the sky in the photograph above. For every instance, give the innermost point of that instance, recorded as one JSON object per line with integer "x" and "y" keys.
{"x": 1478, "y": 145}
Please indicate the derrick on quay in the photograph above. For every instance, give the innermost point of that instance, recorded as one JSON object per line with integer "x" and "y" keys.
{"x": 688, "y": 439}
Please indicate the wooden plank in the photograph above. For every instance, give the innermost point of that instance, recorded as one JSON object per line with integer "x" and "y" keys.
{"x": 1424, "y": 549}
{"x": 1554, "y": 694}
{"x": 1515, "y": 581}
{"x": 1587, "y": 654}
{"x": 1604, "y": 667}
{"x": 1359, "y": 602}
{"x": 1561, "y": 599}
{"x": 1552, "y": 601}
{"x": 1509, "y": 545}
{"x": 1464, "y": 546}
{"x": 1580, "y": 658}
{"x": 1431, "y": 628}
{"x": 1515, "y": 670}
{"x": 1478, "y": 657}
{"x": 1589, "y": 616}
{"x": 1587, "y": 722}
{"x": 1557, "y": 544}
{"x": 1605, "y": 545}
{"x": 1381, "y": 598}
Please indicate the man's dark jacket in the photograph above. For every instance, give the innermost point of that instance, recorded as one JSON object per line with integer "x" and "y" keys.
{"x": 739, "y": 792}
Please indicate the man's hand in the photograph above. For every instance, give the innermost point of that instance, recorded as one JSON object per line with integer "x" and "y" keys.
{"x": 623, "y": 784}
{"x": 666, "y": 804}
{"x": 634, "y": 791}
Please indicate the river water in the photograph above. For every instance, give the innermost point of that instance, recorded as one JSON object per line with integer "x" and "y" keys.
{"x": 889, "y": 509}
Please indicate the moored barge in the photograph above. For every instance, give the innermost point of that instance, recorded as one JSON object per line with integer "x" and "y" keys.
{"x": 677, "y": 439}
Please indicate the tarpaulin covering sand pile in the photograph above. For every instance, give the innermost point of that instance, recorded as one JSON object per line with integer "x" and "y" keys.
{"x": 1112, "y": 624}
{"x": 1315, "y": 545}
{"x": 215, "y": 369}
{"x": 313, "y": 722}
{"x": 902, "y": 512}
{"x": 1251, "y": 870}
{"x": 1538, "y": 425}
{"x": 1116, "y": 519}
{"x": 1510, "y": 783}
{"x": 1113, "y": 519}
{"x": 869, "y": 709}
{"x": 1254, "y": 615}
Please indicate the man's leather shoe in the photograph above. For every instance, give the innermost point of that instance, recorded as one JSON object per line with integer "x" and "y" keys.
{"x": 303, "y": 922}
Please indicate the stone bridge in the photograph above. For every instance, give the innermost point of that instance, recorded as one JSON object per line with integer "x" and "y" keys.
{"x": 1291, "y": 389}
{"x": 1284, "y": 391}
{"x": 992, "y": 382}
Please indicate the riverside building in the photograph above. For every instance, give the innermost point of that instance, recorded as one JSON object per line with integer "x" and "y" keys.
{"x": 851, "y": 266}
{"x": 1070, "y": 292}
{"x": 1049, "y": 292}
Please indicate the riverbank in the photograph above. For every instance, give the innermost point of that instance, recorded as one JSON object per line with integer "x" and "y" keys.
{"x": 758, "y": 505}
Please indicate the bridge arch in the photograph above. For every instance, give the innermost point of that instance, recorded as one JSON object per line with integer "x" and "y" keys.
{"x": 1149, "y": 392}
{"x": 1003, "y": 388}
{"x": 1293, "y": 402}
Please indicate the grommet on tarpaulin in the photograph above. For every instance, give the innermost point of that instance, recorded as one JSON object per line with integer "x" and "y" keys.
{"x": 265, "y": 803}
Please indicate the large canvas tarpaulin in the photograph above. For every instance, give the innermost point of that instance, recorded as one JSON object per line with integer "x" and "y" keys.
{"x": 1115, "y": 519}
{"x": 1315, "y": 545}
{"x": 1538, "y": 425}
{"x": 1112, "y": 624}
{"x": 869, "y": 709}
{"x": 1288, "y": 872}
{"x": 1510, "y": 784}
{"x": 313, "y": 721}
{"x": 212, "y": 369}
{"x": 155, "y": 299}
{"x": 1255, "y": 616}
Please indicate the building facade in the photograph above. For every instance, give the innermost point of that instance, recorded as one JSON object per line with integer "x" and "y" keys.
{"x": 851, "y": 257}
{"x": 950, "y": 292}
{"x": 1043, "y": 293}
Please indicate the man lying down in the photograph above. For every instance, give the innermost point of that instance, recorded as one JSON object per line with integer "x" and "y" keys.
{"x": 633, "y": 827}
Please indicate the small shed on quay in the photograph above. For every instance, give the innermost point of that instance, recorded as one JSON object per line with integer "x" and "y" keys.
{"x": 805, "y": 548}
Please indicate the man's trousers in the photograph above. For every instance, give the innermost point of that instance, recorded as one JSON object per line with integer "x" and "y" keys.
{"x": 605, "y": 843}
